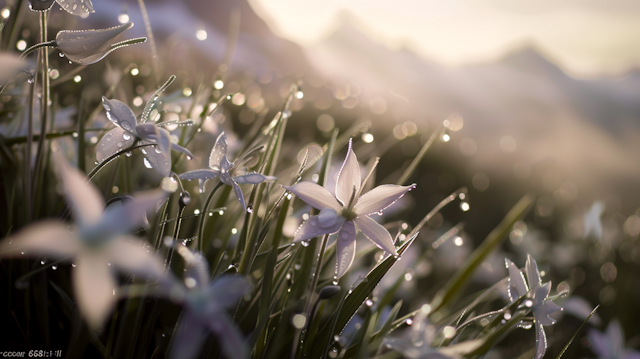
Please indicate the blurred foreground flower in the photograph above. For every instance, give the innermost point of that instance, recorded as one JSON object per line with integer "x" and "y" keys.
{"x": 128, "y": 131}
{"x": 74, "y": 7}
{"x": 610, "y": 345}
{"x": 97, "y": 242}
{"x": 418, "y": 339}
{"x": 206, "y": 305}
{"x": 347, "y": 212}
{"x": 219, "y": 166}
{"x": 537, "y": 294}
{"x": 90, "y": 46}
{"x": 592, "y": 223}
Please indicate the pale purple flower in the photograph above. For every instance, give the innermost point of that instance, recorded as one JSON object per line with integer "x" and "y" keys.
{"x": 98, "y": 244}
{"x": 347, "y": 211}
{"x": 610, "y": 344}
{"x": 537, "y": 294}
{"x": 86, "y": 47}
{"x": 205, "y": 309}
{"x": 128, "y": 131}
{"x": 230, "y": 173}
{"x": 418, "y": 339}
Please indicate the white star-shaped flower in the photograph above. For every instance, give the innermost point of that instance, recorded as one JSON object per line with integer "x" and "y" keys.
{"x": 537, "y": 293}
{"x": 347, "y": 212}
{"x": 206, "y": 305}
{"x": 128, "y": 131}
{"x": 98, "y": 242}
{"x": 219, "y": 166}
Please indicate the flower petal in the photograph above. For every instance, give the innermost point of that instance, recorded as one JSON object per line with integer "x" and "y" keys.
{"x": 348, "y": 177}
{"x": 219, "y": 150}
{"x": 376, "y": 233}
{"x": 226, "y": 290}
{"x": 177, "y": 147}
{"x": 229, "y": 336}
{"x": 253, "y": 178}
{"x": 50, "y": 239}
{"x": 517, "y": 286}
{"x": 93, "y": 285}
{"x": 315, "y": 195}
{"x": 541, "y": 341}
{"x": 120, "y": 114}
{"x": 189, "y": 337}
{"x": 316, "y": 226}
{"x": 131, "y": 214}
{"x": 225, "y": 164}
{"x": 130, "y": 255}
{"x": 345, "y": 247}
{"x": 616, "y": 337}
{"x": 542, "y": 312}
{"x": 226, "y": 179}
{"x": 203, "y": 174}
{"x": 82, "y": 196}
{"x": 379, "y": 198}
{"x": 113, "y": 141}
{"x": 533, "y": 275}
{"x": 89, "y": 46}
{"x": 157, "y": 159}
{"x": 77, "y": 7}
{"x": 599, "y": 343}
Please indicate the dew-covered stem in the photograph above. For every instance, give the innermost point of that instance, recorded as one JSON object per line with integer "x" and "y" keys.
{"x": 203, "y": 217}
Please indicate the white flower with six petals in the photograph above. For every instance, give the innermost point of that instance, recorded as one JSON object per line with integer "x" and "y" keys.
{"x": 347, "y": 212}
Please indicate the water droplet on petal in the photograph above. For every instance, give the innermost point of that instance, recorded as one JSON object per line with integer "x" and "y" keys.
{"x": 54, "y": 267}
{"x": 147, "y": 163}
{"x": 128, "y": 154}
{"x": 61, "y": 54}
{"x": 126, "y": 136}
{"x": 305, "y": 243}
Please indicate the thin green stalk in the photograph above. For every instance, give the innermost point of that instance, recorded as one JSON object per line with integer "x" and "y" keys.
{"x": 152, "y": 42}
{"x": 203, "y": 216}
{"x": 416, "y": 160}
{"x": 81, "y": 141}
{"x": 33, "y": 48}
{"x": 49, "y": 136}
{"x": 27, "y": 152}
{"x": 45, "y": 101}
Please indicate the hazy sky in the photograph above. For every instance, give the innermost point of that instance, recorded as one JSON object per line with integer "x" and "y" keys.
{"x": 585, "y": 37}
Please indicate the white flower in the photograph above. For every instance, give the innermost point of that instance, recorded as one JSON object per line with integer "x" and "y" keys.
{"x": 98, "y": 242}
{"x": 537, "y": 294}
{"x": 592, "y": 223}
{"x": 219, "y": 166}
{"x": 206, "y": 306}
{"x": 90, "y": 46}
{"x": 74, "y": 7}
{"x": 610, "y": 345}
{"x": 347, "y": 212}
{"x": 128, "y": 131}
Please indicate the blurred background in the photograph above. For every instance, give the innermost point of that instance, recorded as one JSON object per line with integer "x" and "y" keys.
{"x": 536, "y": 97}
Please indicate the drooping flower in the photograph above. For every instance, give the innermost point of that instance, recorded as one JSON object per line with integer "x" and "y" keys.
{"x": 206, "y": 306}
{"x": 98, "y": 242}
{"x": 610, "y": 344}
{"x": 74, "y": 7}
{"x": 592, "y": 223}
{"x": 347, "y": 212}
{"x": 128, "y": 131}
{"x": 219, "y": 166}
{"x": 537, "y": 300}
{"x": 90, "y": 46}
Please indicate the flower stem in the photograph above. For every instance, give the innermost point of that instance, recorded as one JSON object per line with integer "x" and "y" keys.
{"x": 45, "y": 101}
{"x": 203, "y": 216}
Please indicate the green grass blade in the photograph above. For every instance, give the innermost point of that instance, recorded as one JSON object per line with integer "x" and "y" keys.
{"x": 444, "y": 297}
{"x": 576, "y": 333}
{"x": 416, "y": 160}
